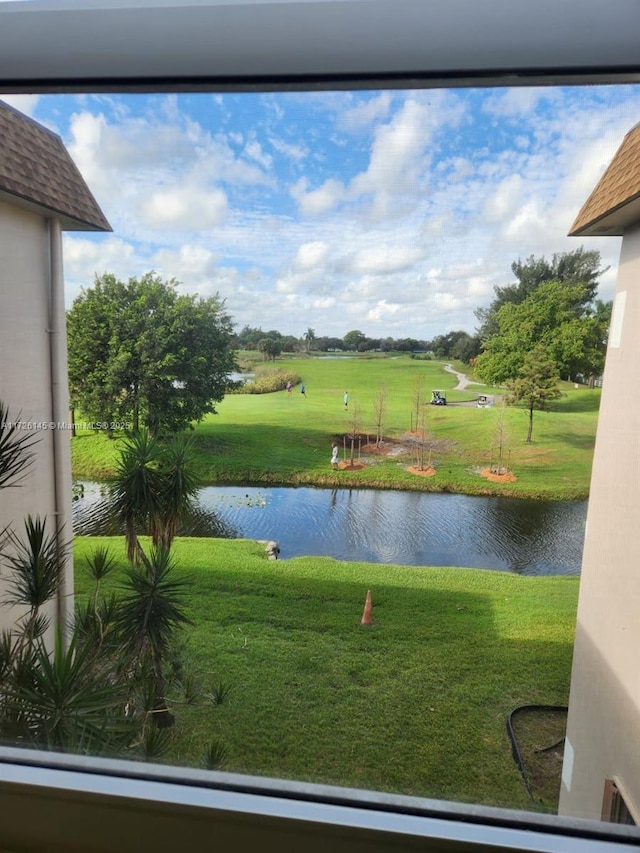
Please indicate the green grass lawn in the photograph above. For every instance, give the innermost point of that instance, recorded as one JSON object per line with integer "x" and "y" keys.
{"x": 286, "y": 439}
{"x": 414, "y": 704}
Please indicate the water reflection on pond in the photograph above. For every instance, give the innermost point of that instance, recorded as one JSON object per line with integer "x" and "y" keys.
{"x": 407, "y": 528}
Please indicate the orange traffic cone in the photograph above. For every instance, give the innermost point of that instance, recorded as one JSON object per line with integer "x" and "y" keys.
{"x": 367, "y": 618}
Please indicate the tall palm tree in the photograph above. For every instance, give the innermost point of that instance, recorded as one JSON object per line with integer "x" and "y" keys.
{"x": 309, "y": 337}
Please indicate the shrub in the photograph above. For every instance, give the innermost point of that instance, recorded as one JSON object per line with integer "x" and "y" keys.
{"x": 267, "y": 380}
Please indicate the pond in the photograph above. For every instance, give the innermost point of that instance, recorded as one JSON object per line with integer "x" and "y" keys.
{"x": 405, "y": 528}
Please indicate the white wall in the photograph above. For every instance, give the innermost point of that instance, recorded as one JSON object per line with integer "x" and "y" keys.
{"x": 25, "y": 368}
{"x": 604, "y": 706}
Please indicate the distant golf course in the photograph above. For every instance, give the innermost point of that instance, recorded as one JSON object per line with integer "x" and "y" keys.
{"x": 283, "y": 438}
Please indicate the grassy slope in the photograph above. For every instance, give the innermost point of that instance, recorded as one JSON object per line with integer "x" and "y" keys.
{"x": 414, "y": 704}
{"x": 286, "y": 439}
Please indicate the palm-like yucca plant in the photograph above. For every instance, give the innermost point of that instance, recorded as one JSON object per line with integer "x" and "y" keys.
{"x": 215, "y": 755}
{"x": 35, "y": 564}
{"x": 153, "y": 488}
{"x": 180, "y": 483}
{"x": 137, "y": 486}
{"x": 59, "y": 701}
{"x": 7, "y": 660}
{"x": 95, "y": 624}
{"x": 149, "y": 613}
{"x": 100, "y": 564}
{"x": 154, "y": 743}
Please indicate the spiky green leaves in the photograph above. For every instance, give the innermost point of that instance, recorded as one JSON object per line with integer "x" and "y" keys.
{"x": 149, "y": 612}
{"x": 16, "y": 449}
{"x": 153, "y": 488}
{"x": 36, "y": 563}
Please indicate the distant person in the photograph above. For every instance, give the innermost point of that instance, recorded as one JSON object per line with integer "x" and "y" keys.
{"x": 289, "y": 387}
{"x": 334, "y": 456}
{"x": 303, "y": 390}
{"x": 346, "y": 400}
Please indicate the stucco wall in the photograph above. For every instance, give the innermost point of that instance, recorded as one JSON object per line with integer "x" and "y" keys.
{"x": 25, "y": 366}
{"x": 603, "y": 735}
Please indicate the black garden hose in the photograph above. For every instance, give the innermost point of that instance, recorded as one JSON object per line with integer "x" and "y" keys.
{"x": 515, "y": 747}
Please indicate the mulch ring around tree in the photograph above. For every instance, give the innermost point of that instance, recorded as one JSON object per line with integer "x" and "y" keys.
{"x": 421, "y": 472}
{"x": 502, "y": 476}
{"x": 357, "y": 465}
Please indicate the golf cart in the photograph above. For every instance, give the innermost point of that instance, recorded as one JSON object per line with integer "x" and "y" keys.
{"x": 484, "y": 401}
{"x": 438, "y": 398}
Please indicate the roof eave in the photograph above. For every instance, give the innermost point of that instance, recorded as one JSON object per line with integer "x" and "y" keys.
{"x": 612, "y": 223}
{"x": 67, "y": 222}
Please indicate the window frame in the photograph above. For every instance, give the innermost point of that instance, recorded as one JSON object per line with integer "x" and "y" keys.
{"x": 100, "y": 804}
{"x": 617, "y": 806}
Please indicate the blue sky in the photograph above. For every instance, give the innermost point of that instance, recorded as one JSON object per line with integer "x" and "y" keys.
{"x": 392, "y": 212}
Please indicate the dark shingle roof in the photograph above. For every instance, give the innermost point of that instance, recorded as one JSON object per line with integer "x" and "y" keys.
{"x": 36, "y": 169}
{"x": 614, "y": 203}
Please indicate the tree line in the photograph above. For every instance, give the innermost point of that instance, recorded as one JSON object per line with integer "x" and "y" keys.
{"x": 457, "y": 345}
{"x": 273, "y": 343}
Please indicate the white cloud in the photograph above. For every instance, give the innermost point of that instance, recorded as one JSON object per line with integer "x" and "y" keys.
{"x": 84, "y": 259}
{"x": 325, "y": 303}
{"x": 518, "y": 101}
{"x": 184, "y": 208}
{"x": 409, "y": 208}
{"x": 321, "y": 200}
{"x": 311, "y": 255}
{"x": 397, "y": 153}
{"x": 194, "y": 263}
{"x": 286, "y": 285}
{"x": 382, "y": 311}
{"x": 379, "y": 260}
{"x": 294, "y": 151}
{"x": 164, "y": 172}
{"x": 395, "y": 174}
{"x": 505, "y": 199}
{"x": 364, "y": 113}
{"x": 254, "y": 151}
{"x": 24, "y": 103}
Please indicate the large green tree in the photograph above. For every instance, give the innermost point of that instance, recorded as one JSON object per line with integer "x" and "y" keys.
{"x": 548, "y": 316}
{"x": 353, "y": 339}
{"x": 139, "y": 352}
{"x": 270, "y": 348}
{"x": 579, "y": 268}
